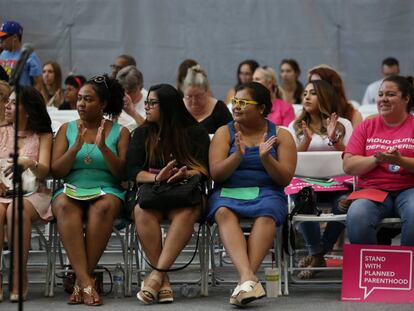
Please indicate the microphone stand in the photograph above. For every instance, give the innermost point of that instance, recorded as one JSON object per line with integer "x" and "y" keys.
{"x": 17, "y": 205}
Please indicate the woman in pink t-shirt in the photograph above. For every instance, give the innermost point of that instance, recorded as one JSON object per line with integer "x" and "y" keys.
{"x": 282, "y": 112}
{"x": 381, "y": 153}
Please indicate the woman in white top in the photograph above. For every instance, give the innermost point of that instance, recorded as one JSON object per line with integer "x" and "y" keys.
{"x": 318, "y": 128}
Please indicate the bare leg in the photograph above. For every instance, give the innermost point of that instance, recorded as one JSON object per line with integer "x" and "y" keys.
{"x": 233, "y": 239}
{"x": 101, "y": 216}
{"x": 29, "y": 216}
{"x": 148, "y": 226}
{"x": 2, "y": 221}
{"x": 69, "y": 215}
{"x": 260, "y": 241}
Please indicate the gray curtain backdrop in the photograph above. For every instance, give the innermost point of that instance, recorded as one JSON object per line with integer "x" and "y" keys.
{"x": 353, "y": 36}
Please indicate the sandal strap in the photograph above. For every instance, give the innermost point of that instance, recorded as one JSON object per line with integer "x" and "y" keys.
{"x": 247, "y": 286}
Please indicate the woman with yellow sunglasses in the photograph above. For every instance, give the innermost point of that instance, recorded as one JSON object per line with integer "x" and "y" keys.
{"x": 251, "y": 161}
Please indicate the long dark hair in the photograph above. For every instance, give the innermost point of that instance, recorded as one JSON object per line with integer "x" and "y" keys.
{"x": 328, "y": 103}
{"x": 299, "y": 86}
{"x": 253, "y": 66}
{"x": 171, "y": 136}
{"x": 38, "y": 119}
{"x": 345, "y": 108}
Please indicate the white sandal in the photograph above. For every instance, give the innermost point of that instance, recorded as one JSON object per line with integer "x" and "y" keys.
{"x": 250, "y": 291}
{"x": 233, "y": 297}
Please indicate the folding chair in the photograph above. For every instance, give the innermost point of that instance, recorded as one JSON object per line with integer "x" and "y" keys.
{"x": 313, "y": 164}
{"x": 203, "y": 254}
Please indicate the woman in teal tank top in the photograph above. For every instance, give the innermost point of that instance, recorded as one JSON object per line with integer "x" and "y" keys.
{"x": 89, "y": 155}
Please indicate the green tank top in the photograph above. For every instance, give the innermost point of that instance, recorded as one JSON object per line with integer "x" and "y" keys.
{"x": 89, "y": 169}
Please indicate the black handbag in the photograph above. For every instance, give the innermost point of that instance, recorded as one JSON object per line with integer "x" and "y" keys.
{"x": 305, "y": 203}
{"x": 164, "y": 197}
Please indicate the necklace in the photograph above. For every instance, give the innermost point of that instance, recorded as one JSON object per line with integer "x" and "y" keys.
{"x": 87, "y": 159}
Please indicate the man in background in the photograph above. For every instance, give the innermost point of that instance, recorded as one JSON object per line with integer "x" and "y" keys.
{"x": 390, "y": 67}
{"x": 11, "y": 41}
{"x": 120, "y": 62}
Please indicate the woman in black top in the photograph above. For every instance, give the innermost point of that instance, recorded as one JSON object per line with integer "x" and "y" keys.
{"x": 168, "y": 148}
{"x": 206, "y": 109}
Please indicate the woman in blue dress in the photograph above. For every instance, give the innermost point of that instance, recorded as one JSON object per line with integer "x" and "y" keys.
{"x": 251, "y": 161}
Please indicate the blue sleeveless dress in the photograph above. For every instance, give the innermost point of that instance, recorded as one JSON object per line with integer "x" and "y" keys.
{"x": 96, "y": 173}
{"x": 271, "y": 200}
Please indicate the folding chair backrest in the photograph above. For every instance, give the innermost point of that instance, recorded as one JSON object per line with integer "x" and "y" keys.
{"x": 319, "y": 164}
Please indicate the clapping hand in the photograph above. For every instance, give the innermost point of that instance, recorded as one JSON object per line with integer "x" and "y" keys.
{"x": 239, "y": 141}
{"x": 307, "y": 133}
{"x": 332, "y": 122}
{"x": 391, "y": 156}
{"x": 266, "y": 145}
{"x": 128, "y": 105}
{"x": 80, "y": 138}
{"x": 100, "y": 135}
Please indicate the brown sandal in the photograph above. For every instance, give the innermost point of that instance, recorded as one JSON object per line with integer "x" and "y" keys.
{"x": 147, "y": 294}
{"x": 91, "y": 296}
{"x": 76, "y": 296}
{"x": 165, "y": 294}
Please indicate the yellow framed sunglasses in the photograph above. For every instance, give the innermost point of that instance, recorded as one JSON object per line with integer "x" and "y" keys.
{"x": 242, "y": 103}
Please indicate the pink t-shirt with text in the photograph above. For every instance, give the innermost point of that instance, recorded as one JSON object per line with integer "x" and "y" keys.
{"x": 374, "y": 135}
{"x": 282, "y": 113}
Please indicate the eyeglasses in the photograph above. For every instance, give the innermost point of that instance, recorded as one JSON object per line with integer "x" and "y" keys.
{"x": 151, "y": 103}
{"x": 242, "y": 103}
{"x": 99, "y": 80}
{"x": 194, "y": 97}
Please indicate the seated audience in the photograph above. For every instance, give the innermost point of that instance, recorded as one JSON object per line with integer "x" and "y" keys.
{"x": 345, "y": 108}
{"x": 251, "y": 161}
{"x": 89, "y": 155}
{"x": 390, "y": 66}
{"x": 52, "y": 84}
{"x": 70, "y": 95}
{"x": 318, "y": 128}
{"x": 168, "y": 148}
{"x": 35, "y": 146}
{"x": 380, "y": 153}
{"x": 132, "y": 81}
{"x": 282, "y": 112}
{"x": 292, "y": 88}
{"x": 244, "y": 74}
{"x": 206, "y": 109}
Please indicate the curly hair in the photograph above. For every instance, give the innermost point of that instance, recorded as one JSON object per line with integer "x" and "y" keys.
{"x": 109, "y": 92}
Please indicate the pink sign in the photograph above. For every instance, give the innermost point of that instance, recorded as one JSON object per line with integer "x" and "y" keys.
{"x": 377, "y": 273}
{"x": 340, "y": 183}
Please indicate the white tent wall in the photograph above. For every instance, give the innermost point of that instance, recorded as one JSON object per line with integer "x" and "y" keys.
{"x": 351, "y": 35}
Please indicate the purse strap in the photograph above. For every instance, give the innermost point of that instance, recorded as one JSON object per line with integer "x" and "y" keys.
{"x": 178, "y": 268}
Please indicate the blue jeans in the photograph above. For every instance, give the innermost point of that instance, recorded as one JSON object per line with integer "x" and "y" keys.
{"x": 365, "y": 215}
{"x": 311, "y": 231}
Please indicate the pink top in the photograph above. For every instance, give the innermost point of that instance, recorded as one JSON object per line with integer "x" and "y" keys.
{"x": 282, "y": 113}
{"x": 40, "y": 200}
{"x": 374, "y": 135}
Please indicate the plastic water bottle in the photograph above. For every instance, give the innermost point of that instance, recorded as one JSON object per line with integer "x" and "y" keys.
{"x": 189, "y": 291}
{"x": 119, "y": 277}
